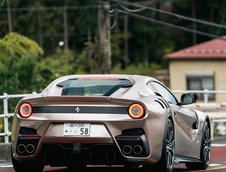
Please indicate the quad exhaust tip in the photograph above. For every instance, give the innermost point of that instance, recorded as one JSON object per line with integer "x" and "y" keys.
{"x": 29, "y": 149}
{"x": 127, "y": 149}
{"x": 137, "y": 149}
{"x": 21, "y": 148}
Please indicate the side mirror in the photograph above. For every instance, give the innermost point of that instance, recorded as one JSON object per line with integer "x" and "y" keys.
{"x": 187, "y": 99}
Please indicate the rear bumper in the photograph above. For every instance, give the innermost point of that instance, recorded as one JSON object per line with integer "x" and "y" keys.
{"x": 59, "y": 153}
{"x": 132, "y": 147}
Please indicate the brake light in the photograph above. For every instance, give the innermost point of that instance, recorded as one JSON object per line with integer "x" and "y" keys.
{"x": 25, "y": 110}
{"x": 136, "y": 111}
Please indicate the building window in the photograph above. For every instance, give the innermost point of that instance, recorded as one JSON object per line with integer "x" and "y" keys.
{"x": 195, "y": 82}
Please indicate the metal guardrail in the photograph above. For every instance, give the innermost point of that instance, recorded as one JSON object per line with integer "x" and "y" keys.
{"x": 205, "y": 93}
{"x": 6, "y": 115}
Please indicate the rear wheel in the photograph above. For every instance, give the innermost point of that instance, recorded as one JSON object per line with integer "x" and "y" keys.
{"x": 205, "y": 151}
{"x": 166, "y": 163}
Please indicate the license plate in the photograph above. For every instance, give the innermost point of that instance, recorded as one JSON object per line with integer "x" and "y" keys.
{"x": 76, "y": 129}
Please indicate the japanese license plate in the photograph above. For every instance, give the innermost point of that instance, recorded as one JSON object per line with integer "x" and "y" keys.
{"x": 76, "y": 129}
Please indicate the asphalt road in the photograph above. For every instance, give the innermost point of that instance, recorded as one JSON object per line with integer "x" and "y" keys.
{"x": 218, "y": 164}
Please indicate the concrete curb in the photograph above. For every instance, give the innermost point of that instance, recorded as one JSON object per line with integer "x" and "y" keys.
{"x": 5, "y": 156}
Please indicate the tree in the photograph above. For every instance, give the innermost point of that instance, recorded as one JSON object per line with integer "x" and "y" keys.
{"x": 53, "y": 66}
{"x": 18, "y": 59}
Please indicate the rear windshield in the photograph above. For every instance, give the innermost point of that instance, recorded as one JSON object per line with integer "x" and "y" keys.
{"x": 93, "y": 87}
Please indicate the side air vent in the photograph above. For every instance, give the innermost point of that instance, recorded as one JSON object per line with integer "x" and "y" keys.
{"x": 163, "y": 103}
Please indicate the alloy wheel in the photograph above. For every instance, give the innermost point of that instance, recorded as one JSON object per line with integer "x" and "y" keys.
{"x": 170, "y": 146}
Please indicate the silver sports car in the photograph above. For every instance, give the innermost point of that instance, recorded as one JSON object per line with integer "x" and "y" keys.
{"x": 128, "y": 120}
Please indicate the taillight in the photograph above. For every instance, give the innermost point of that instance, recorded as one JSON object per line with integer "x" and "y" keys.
{"x": 25, "y": 110}
{"x": 136, "y": 111}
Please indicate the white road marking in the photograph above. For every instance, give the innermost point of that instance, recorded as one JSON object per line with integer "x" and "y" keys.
{"x": 6, "y": 165}
{"x": 218, "y": 145}
{"x": 215, "y": 165}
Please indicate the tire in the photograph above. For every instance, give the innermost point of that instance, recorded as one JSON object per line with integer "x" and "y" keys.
{"x": 28, "y": 166}
{"x": 205, "y": 151}
{"x": 166, "y": 163}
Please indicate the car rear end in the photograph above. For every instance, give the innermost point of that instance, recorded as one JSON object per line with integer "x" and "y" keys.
{"x": 82, "y": 124}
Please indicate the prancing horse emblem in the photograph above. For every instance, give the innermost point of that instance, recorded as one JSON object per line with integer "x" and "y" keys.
{"x": 77, "y": 109}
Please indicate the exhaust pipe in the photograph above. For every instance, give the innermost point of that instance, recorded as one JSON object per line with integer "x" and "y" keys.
{"x": 137, "y": 149}
{"x": 30, "y": 148}
{"x": 21, "y": 148}
{"x": 127, "y": 149}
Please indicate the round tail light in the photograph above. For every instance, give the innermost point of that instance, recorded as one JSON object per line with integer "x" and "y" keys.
{"x": 136, "y": 111}
{"x": 25, "y": 110}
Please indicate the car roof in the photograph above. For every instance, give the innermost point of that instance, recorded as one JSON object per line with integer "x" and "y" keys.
{"x": 138, "y": 80}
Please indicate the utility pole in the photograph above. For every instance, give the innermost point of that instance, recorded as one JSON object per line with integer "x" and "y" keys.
{"x": 9, "y": 16}
{"x": 40, "y": 28}
{"x": 126, "y": 44}
{"x": 104, "y": 37}
{"x": 65, "y": 28}
{"x": 193, "y": 8}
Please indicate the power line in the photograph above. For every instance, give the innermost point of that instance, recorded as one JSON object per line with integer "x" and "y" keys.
{"x": 171, "y": 25}
{"x": 169, "y": 13}
{"x": 83, "y": 13}
{"x": 132, "y": 10}
{"x": 50, "y": 8}
{"x": 147, "y": 2}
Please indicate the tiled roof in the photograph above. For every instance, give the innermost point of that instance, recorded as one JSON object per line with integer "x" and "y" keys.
{"x": 213, "y": 49}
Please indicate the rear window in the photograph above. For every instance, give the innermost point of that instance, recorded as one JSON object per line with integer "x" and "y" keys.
{"x": 93, "y": 87}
